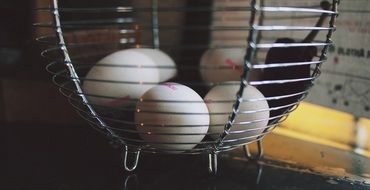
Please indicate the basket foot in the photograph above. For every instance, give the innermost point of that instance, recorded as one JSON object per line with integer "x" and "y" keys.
{"x": 259, "y": 154}
{"x": 130, "y": 154}
{"x": 212, "y": 163}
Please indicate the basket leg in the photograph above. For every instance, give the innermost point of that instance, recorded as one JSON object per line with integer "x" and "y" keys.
{"x": 130, "y": 154}
{"x": 212, "y": 163}
{"x": 259, "y": 154}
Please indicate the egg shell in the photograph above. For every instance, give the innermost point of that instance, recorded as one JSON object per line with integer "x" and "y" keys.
{"x": 220, "y": 100}
{"x": 221, "y": 65}
{"x": 121, "y": 77}
{"x": 173, "y": 109}
{"x": 166, "y": 65}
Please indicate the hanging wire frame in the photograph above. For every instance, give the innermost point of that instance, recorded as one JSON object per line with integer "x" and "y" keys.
{"x": 88, "y": 34}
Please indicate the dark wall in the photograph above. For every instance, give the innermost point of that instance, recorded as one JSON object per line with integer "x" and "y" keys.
{"x": 27, "y": 94}
{"x": 14, "y": 32}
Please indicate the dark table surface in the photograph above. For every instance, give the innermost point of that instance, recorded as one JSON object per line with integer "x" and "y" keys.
{"x": 77, "y": 157}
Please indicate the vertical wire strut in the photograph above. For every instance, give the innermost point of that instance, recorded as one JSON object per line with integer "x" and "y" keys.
{"x": 243, "y": 81}
{"x": 155, "y": 24}
{"x": 324, "y": 51}
{"x": 74, "y": 77}
{"x": 72, "y": 73}
{"x": 259, "y": 35}
{"x": 212, "y": 157}
{"x": 259, "y": 142}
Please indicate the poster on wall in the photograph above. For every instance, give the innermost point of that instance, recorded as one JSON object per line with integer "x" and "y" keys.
{"x": 345, "y": 80}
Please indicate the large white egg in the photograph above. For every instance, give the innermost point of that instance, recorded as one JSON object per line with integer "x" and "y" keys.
{"x": 121, "y": 77}
{"x": 221, "y": 65}
{"x": 166, "y": 65}
{"x": 173, "y": 109}
{"x": 220, "y": 100}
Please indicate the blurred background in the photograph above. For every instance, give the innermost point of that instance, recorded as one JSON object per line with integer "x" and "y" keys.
{"x": 36, "y": 120}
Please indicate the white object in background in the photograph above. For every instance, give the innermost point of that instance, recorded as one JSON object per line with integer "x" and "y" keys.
{"x": 221, "y": 65}
{"x": 124, "y": 76}
{"x": 176, "y": 110}
{"x": 255, "y": 108}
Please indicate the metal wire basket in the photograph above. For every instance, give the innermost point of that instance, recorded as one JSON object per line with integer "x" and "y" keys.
{"x": 241, "y": 68}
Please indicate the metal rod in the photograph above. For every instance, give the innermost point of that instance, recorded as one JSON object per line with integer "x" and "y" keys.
{"x": 212, "y": 163}
{"x": 72, "y": 72}
{"x": 259, "y": 154}
{"x": 127, "y": 153}
{"x": 155, "y": 24}
{"x": 243, "y": 83}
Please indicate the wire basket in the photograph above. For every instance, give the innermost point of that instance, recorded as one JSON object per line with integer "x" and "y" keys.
{"x": 187, "y": 77}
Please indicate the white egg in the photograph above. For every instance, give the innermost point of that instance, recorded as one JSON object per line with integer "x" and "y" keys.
{"x": 166, "y": 65}
{"x": 253, "y": 112}
{"x": 173, "y": 109}
{"x": 221, "y": 65}
{"x": 120, "y": 77}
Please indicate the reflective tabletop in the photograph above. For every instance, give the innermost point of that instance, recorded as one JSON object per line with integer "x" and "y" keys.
{"x": 76, "y": 157}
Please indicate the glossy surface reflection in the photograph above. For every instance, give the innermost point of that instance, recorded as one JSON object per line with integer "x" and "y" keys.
{"x": 76, "y": 157}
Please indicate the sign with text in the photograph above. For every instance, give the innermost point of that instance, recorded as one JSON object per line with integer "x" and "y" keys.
{"x": 345, "y": 80}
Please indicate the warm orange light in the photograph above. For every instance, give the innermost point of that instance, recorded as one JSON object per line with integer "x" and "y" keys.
{"x": 327, "y": 126}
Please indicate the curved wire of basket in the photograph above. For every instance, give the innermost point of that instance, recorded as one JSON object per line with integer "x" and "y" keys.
{"x": 65, "y": 67}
